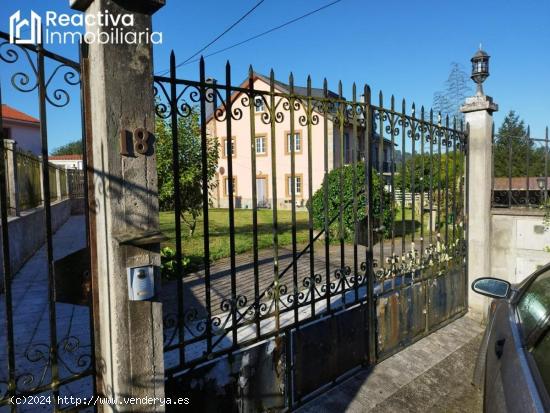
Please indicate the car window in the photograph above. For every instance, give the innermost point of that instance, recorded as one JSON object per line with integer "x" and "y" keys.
{"x": 541, "y": 354}
{"x": 534, "y": 305}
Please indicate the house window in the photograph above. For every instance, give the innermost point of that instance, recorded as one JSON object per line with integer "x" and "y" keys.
{"x": 259, "y": 104}
{"x": 261, "y": 148}
{"x": 297, "y": 185}
{"x": 226, "y": 186}
{"x": 347, "y": 148}
{"x": 226, "y": 147}
{"x": 297, "y": 142}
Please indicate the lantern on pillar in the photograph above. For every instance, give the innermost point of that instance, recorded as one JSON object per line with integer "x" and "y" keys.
{"x": 480, "y": 69}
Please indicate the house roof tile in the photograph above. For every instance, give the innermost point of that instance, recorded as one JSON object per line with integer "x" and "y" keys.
{"x": 13, "y": 114}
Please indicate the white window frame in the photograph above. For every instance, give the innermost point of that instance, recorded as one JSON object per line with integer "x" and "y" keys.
{"x": 297, "y": 142}
{"x": 263, "y": 145}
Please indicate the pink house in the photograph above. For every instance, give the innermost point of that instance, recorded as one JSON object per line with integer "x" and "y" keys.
{"x": 242, "y": 144}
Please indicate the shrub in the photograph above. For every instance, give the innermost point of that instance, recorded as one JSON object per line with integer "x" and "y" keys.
{"x": 317, "y": 204}
{"x": 168, "y": 266}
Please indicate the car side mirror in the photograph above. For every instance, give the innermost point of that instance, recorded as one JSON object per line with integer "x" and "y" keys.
{"x": 492, "y": 287}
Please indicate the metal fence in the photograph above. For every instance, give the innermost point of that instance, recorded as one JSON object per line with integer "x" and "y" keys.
{"x": 520, "y": 170}
{"x": 28, "y": 183}
{"x": 399, "y": 261}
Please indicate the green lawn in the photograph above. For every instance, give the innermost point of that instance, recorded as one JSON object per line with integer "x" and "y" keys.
{"x": 193, "y": 247}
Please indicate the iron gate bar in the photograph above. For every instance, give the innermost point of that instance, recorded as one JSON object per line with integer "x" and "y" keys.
{"x": 6, "y": 266}
{"x": 422, "y": 189}
{"x": 326, "y": 109}
{"x": 393, "y": 132}
{"x": 527, "y": 200}
{"x": 369, "y": 259}
{"x": 509, "y": 171}
{"x": 431, "y": 194}
{"x": 341, "y": 194}
{"x": 392, "y": 184}
{"x": 204, "y": 159}
{"x": 48, "y": 222}
{"x": 403, "y": 185}
{"x": 252, "y": 114}
{"x": 177, "y": 201}
{"x": 229, "y": 143}
{"x": 354, "y": 159}
{"x": 291, "y": 101}
{"x": 413, "y": 169}
{"x": 456, "y": 167}
{"x": 381, "y": 116}
{"x": 272, "y": 118}
{"x": 446, "y": 137}
{"x": 309, "y": 120}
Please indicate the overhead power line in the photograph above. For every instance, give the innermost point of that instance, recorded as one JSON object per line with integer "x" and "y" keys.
{"x": 261, "y": 34}
{"x": 220, "y": 35}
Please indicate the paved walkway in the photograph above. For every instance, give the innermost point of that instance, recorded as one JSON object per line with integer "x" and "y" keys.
{"x": 432, "y": 375}
{"x": 31, "y": 323}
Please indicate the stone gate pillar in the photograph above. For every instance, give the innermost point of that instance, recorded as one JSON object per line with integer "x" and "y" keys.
{"x": 478, "y": 113}
{"x": 120, "y": 120}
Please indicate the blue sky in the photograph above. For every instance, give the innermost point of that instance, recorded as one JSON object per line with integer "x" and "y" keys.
{"x": 401, "y": 47}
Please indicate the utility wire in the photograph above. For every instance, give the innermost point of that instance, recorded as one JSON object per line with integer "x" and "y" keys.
{"x": 219, "y": 36}
{"x": 260, "y": 34}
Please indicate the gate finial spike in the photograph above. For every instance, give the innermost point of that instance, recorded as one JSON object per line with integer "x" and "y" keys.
{"x": 325, "y": 87}
{"x": 367, "y": 93}
{"x": 250, "y": 71}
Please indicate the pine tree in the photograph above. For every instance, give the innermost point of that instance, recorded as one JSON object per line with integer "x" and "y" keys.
{"x": 513, "y": 148}
{"x": 457, "y": 88}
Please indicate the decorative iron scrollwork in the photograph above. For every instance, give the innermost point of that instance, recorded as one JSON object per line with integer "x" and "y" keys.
{"x": 28, "y": 82}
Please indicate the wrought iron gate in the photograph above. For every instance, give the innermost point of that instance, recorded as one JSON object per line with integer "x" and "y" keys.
{"x": 362, "y": 253}
{"x": 356, "y": 250}
{"x": 47, "y": 350}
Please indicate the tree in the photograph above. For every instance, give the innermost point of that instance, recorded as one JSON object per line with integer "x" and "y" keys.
{"x": 71, "y": 148}
{"x": 457, "y": 88}
{"x": 334, "y": 201}
{"x": 512, "y": 148}
{"x": 440, "y": 175}
{"x": 190, "y": 170}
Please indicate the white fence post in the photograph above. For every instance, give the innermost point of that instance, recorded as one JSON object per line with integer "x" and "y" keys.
{"x": 478, "y": 113}
{"x": 11, "y": 176}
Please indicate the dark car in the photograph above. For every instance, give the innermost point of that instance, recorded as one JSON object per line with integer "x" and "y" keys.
{"x": 513, "y": 365}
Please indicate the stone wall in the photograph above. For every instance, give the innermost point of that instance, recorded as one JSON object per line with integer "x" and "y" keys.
{"x": 517, "y": 243}
{"x": 27, "y": 233}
